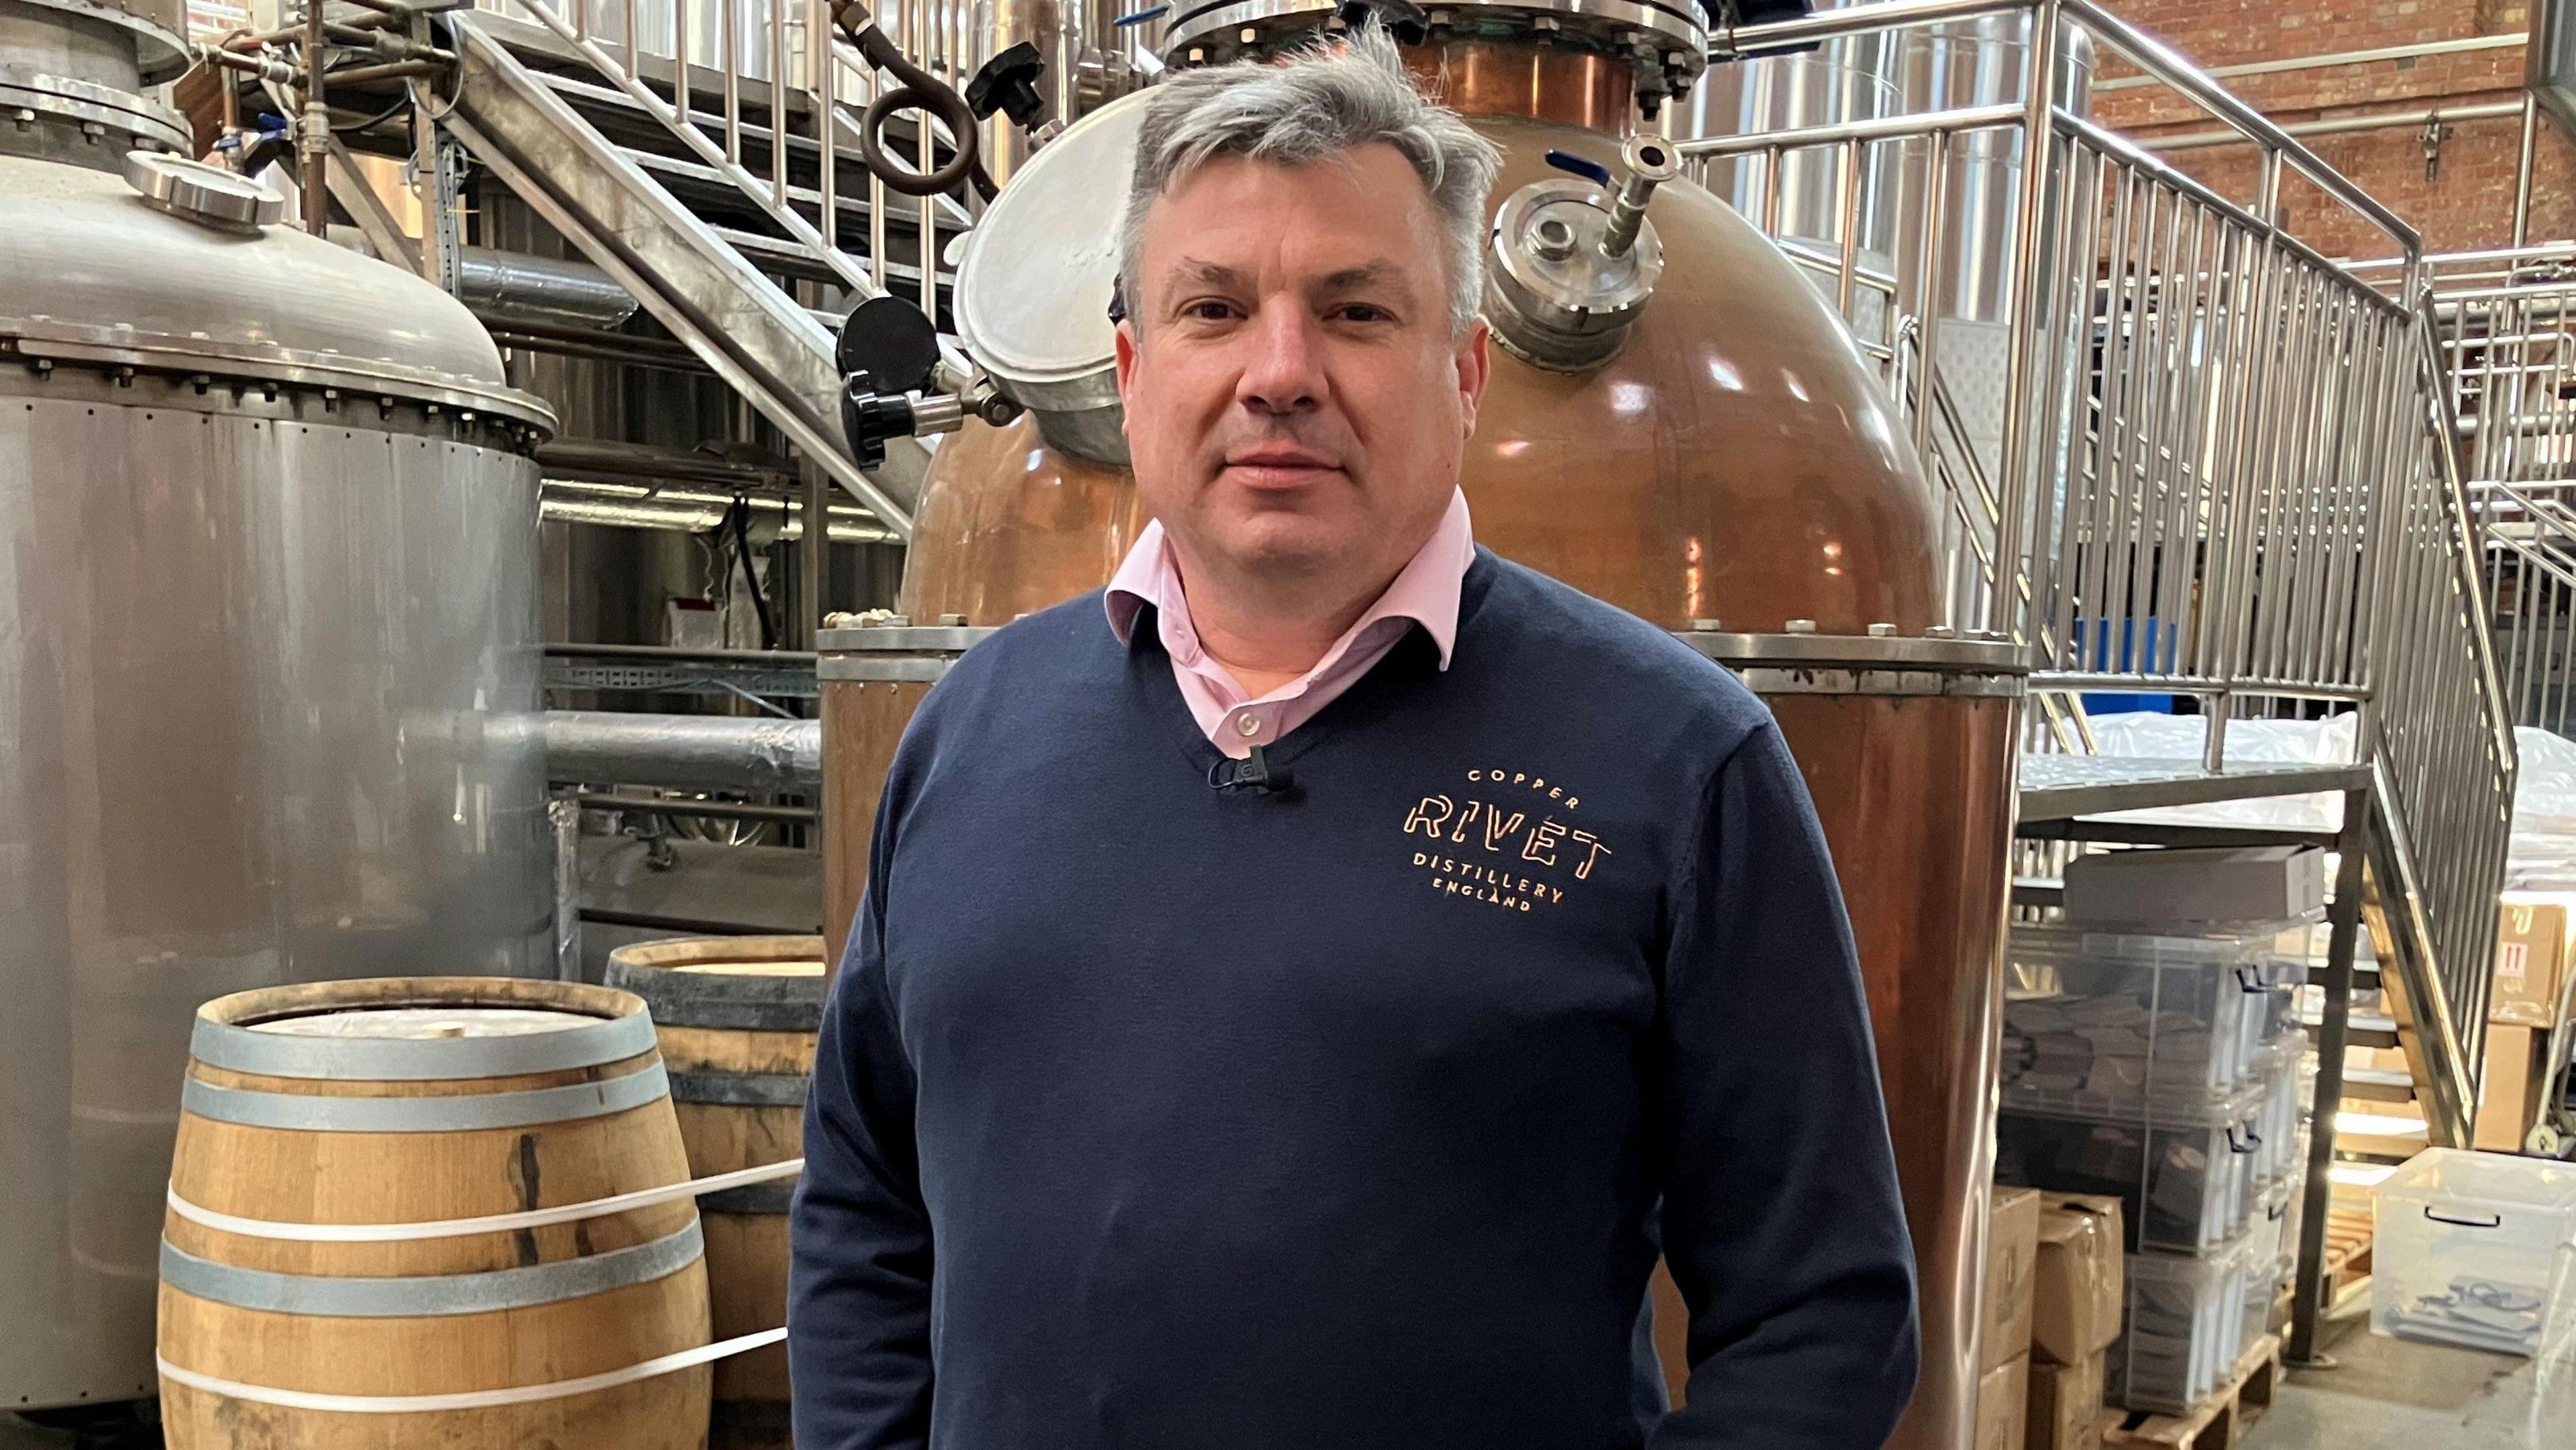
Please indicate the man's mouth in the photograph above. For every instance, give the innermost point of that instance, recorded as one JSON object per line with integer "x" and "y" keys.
{"x": 1276, "y": 468}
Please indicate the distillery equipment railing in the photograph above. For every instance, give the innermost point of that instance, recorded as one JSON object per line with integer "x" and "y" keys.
{"x": 753, "y": 66}
{"x": 2502, "y": 323}
{"x": 2220, "y": 466}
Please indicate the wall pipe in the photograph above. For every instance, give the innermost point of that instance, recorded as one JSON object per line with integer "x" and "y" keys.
{"x": 683, "y": 752}
{"x": 2341, "y": 125}
{"x": 2415, "y": 51}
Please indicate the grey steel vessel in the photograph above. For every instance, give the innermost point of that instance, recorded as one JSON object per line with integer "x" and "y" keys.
{"x": 268, "y": 654}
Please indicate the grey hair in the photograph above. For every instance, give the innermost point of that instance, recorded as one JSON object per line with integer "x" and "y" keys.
{"x": 1317, "y": 102}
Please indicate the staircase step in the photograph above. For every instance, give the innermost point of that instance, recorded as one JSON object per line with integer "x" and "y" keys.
{"x": 2378, "y": 1085}
{"x": 711, "y": 125}
{"x": 2365, "y": 975}
{"x": 2361, "y": 1031}
{"x": 782, "y": 255}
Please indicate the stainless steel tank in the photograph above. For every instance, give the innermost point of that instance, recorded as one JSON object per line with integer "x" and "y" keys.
{"x": 268, "y": 660}
{"x": 1907, "y": 72}
{"x": 1730, "y": 469}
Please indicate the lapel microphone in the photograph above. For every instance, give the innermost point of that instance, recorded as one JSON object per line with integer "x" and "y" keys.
{"x": 1254, "y": 773}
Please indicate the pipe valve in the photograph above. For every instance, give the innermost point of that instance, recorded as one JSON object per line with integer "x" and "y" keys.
{"x": 889, "y": 361}
{"x": 1575, "y": 260}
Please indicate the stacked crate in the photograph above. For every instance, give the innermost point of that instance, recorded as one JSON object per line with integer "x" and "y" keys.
{"x": 2160, "y": 1066}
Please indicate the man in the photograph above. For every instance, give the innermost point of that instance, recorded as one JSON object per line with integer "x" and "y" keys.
{"x": 1290, "y": 981}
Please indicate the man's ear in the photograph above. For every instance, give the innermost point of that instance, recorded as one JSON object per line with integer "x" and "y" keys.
{"x": 1126, "y": 356}
{"x": 1475, "y": 361}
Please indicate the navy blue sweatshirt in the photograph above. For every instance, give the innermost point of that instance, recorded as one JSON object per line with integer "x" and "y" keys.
{"x": 1155, "y": 1115}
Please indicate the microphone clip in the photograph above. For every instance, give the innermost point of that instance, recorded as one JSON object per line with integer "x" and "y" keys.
{"x": 1254, "y": 773}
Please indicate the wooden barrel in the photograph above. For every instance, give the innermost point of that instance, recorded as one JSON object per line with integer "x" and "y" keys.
{"x": 412, "y": 1100}
{"x": 737, "y": 1018}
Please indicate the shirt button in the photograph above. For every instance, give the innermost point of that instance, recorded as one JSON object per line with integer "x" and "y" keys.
{"x": 1247, "y": 725}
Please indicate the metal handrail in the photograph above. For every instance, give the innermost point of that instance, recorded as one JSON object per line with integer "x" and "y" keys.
{"x": 2150, "y": 55}
{"x": 2211, "y": 480}
{"x": 2466, "y": 544}
{"x": 769, "y": 195}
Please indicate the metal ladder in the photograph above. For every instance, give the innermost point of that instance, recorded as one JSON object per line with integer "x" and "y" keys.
{"x": 713, "y": 193}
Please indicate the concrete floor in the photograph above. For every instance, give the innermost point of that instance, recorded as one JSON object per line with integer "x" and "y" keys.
{"x": 2392, "y": 1394}
{"x": 2389, "y": 1395}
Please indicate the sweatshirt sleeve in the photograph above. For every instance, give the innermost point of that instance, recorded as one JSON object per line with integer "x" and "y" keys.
{"x": 1781, "y": 1218}
{"x": 858, "y": 1301}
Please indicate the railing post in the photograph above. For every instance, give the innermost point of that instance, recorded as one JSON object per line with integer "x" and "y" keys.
{"x": 2023, "y": 371}
{"x": 563, "y": 813}
{"x": 2318, "y": 1191}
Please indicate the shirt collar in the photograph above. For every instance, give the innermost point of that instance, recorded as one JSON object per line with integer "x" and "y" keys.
{"x": 1426, "y": 590}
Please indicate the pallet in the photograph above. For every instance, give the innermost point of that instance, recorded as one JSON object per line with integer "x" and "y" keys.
{"x": 2220, "y": 1421}
{"x": 2348, "y": 1245}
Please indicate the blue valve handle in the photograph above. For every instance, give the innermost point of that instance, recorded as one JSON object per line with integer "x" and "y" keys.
{"x": 1583, "y": 166}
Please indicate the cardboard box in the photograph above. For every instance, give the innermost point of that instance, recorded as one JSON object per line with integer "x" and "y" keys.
{"x": 2077, "y": 1278}
{"x": 2509, "y": 1088}
{"x": 2003, "y": 1406}
{"x": 2012, "y": 1233}
{"x": 2065, "y": 1406}
{"x": 2531, "y": 952}
{"x": 2221, "y": 883}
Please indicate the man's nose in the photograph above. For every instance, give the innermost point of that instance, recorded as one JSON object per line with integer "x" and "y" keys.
{"x": 1285, "y": 372}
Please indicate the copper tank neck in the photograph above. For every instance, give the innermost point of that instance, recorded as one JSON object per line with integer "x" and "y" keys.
{"x": 1483, "y": 77}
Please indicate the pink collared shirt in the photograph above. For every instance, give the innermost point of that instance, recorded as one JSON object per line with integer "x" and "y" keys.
{"x": 1424, "y": 592}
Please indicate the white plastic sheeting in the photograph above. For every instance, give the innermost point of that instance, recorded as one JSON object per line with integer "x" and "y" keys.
{"x": 2543, "y": 850}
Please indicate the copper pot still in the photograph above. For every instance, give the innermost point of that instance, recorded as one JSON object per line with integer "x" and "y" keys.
{"x": 1728, "y": 465}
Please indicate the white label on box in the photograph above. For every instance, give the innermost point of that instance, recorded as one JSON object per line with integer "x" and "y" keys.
{"x": 2513, "y": 963}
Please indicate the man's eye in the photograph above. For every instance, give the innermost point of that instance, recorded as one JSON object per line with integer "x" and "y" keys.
{"x": 1363, "y": 312}
{"x": 1208, "y": 309}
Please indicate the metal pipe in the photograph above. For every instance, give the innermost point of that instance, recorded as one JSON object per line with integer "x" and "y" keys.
{"x": 622, "y": 350}
{"x": 390, "y": 71}
{"x": 684, "y": 752}
{"x": 606, "y": 458}
{"x": 692, "y": 925}
{"x": 694, "y": 511}
{"x": 2341, "y": 125}
{"x": 2522, "y": 168}
{"x": 314, "y": 143}
{"x": 703, "y": 810}
{"x": 662, "y": 654}
{"x": 2335, "y": 58}
{"x": 514, "y": 287}
{"x": 1876, "y": 128}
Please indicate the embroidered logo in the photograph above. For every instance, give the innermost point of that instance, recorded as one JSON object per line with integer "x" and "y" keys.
{"x": 1511, "y": 850}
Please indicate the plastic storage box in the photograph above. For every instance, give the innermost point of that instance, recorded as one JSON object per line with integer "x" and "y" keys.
{"x": 2183, "y": 1330}
{"x": 2103, "y": 1022}
{"x": 2183, "y": 1175}
{"x": 2476, "y": 1249}
{"x": 2287, "y": 1072}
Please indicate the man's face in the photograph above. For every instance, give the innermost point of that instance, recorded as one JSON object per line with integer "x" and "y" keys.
{"x": 1296, "y": 405}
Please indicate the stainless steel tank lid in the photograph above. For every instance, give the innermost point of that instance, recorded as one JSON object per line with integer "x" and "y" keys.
{"x": 139, "y": 118}
{"x": 93, "y": 276}
{"x": 1219, "y": 29}
{"x": 1035, "y": 282}
{"x": 157, "y": 27}
{"x": 200, "y": 192}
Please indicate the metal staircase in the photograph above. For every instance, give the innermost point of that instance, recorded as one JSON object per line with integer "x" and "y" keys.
{"x": 2189, "y": 457}
{"x": 734, "y": 206}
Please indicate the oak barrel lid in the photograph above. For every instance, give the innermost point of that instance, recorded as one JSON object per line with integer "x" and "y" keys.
{"x": 420, "y": 1028}
{"x": 752, "y": 983}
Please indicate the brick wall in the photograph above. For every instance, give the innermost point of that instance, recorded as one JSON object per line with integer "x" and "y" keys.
{"x": 2467, "y": 202}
